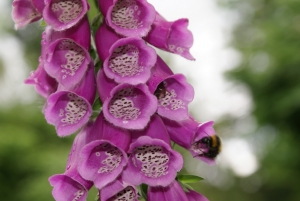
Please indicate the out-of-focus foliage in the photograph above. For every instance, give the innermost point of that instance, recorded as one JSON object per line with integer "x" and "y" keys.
{"x": 268, "y": 38}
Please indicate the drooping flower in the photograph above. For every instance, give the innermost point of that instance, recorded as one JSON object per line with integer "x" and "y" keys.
{"x": 67, "y": 111}
{"x": 190, "y": 135}
{"x": 44, "y": 84}
{"x": 195, "y": 196}
{"x": 129, "y": 106}
{"x": 171, "y": 36}
{"x": 24, "y": 12}
{"x": 80, "y": 33}
{"x": 64, "y": 14}
{"x": 171, "y": 192}
{"x": 87, "y": 87}
{"x": 128, "y": 17}
{"x": 152, "y": 160}
{"x": 172, "y": 91}
{"x": 39, "y": 5}
{"x": 119, "y": 190}
{"x": 124, "y": 105}
{"x": 130, "y": 61}
{"x": 67, "y": 62}
{"x": 70, "y": 185}
{"x": 104, "y": 158}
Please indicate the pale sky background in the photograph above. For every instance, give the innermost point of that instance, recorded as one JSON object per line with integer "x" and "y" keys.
{"x": 214, "y": 95}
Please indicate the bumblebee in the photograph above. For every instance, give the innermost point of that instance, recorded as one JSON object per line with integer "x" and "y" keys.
{"x": 210, "y": 146}
{"x": 160, "y": 91}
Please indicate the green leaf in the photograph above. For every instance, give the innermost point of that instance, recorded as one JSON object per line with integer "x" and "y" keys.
{"x": 43, "y": 23}
{"x": 96, "y": 22}
{"x": 143, "y": 189}
{"x": 97, "y": 104}
{"x": 189, "y": 179}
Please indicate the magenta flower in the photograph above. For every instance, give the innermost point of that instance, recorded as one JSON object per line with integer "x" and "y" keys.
{"x": 64, "y": 14}
{"x": 190, "y": 135}
{"x": 39, "y": 5}
{"x": 129, "y": 106}
{"x": 119, "y": 190}
{"x": 67, "y": 62}
{"x": 44, "y": 84}
{"x": 67, "y": 111}
{"x": 174, "y": 94}
{"x": 171, "y": 192}
{"x": 104, "y": 158}
{"x": 128, "y": 17}
{"x": 24, "y": 12}
{"x": 70, "y": 185}
{"x": 130, "y": 61}
{"x": 171, "y": 36}
{"x": 195, "y": 196}
{"x": 87, "y": 87}
{"x": 80, "y": 33}
{"x": 105, "y": 37}
{"x": 172, "y": 91}
{"x": 104, "y": 85}
{"x": 152, "y": 160}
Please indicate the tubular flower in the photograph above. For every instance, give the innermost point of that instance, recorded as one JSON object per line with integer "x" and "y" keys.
{"x": 171, "y": 192}
{"x": 64, "y": 14}
{"x": 24, "y": 12}
{"x": 129, "y": 106}
{"x": 171, "y": 36}
{"x": 67, "y": 62}
{"x": 103, "y": 158}
{"x": 172, "y": 91}
{"x": 44, "y": 84}
{"x": 128, "y": 17}
{"x": 195, "y": 196}
{"x": 70, "y": 185}
{"x": 152, "y": 160}
{"x": 192, "y": 136}
{"x": 119, "y": 190}
{"x": 39, "y": 5}
{"x": 80, "y": 33}
{"x": 105, "y": 37}
{"x": 130, "y": 61}
{"x": 67, "y": 111}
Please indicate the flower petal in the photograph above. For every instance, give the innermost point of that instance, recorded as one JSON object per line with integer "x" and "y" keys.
{"x": 67, "y": 111}
{"x": 24, "y": 12}
{"x": 119, "y": 190}
{"x": 130, "y": 106}
{"x": 63, "y": 14}
{"x": 130, "y": 61}
{"x": 153, "y": 162}
{"x": 130, "y": 17}
{"x": 44, "y": 84}
{"x": 102, "y": 162}
{"x": 67, "y": 62}
{"x": 66, "y": 188}
{"x": 174, "y": 94}
{"x": 171, "y": 36}
{"x": 195, "y": 196}
{"x": 169, "y": 193}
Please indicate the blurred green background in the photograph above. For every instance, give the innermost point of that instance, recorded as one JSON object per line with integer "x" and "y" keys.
{"x": 267, "y": 36}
